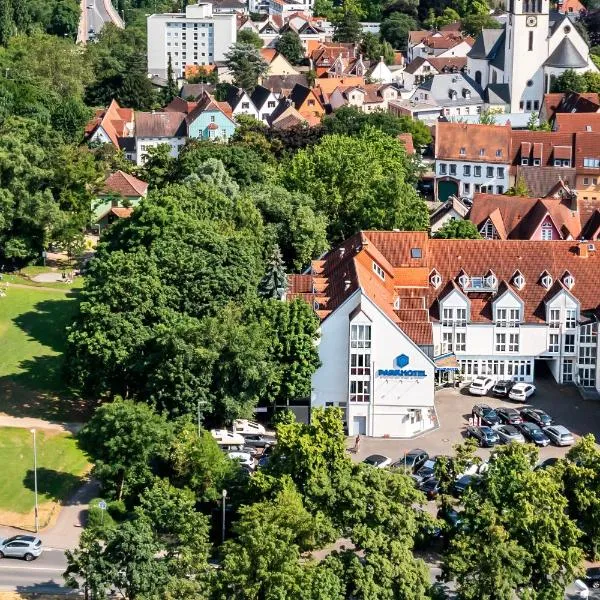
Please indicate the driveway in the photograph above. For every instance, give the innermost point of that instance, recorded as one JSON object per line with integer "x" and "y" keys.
{"x": 562, "y": 403}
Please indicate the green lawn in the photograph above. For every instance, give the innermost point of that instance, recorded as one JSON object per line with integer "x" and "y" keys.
{"x": 32, "y": 340}
{"x": 60, "y": 466}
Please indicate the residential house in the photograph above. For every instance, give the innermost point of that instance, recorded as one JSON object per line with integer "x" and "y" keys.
{"x": 423, "y": 68}
{"x": 239, "y": 7}
{"x": 156, "y": 128}
{"x": 367, "y": 98}
{"x": 307, "y": 103}
{"x": 108, "y": 125}
{"x": 285, "y": 116}
{"x": 379, "y": 72}
{"x": 278, "y": 64}
{"x": 572, "y": 8}
{"x": 399, "y": 311}
{"x": 193, "y": 91}
{"x": 283, "y": 84}
{"x": 240, "y": 102}
{"x": 265, "y": 102}
{"x": 210, "y": 120}
{"x": 454, "y": 209}
{"x": 120, "y": 194}
{"x": 444, "y": 43}
{"x": 471, "y": 159}
{"x": 569, "y": 102}
{"x": 421, "y": 111}
{"x": 407, "y": 140}
{"x": 455, "y": 94}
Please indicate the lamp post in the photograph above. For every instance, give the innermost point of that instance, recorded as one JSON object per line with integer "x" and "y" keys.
{"x": 35, "y": 479}
{"x": 224, "y": 493}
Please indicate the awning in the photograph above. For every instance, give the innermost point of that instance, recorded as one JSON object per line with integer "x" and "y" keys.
{"x": 446, "y": 362}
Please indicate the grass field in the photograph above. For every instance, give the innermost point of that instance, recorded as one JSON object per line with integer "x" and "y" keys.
{"x": 60, "y": 467}
{"x": 32, "y": 340}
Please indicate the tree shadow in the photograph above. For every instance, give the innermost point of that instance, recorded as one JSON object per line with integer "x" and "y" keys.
{"x": 55, "y": 485}
{"x": 43, "y": 588}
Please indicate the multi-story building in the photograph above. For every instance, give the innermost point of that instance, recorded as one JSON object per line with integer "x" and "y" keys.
{"x": 399, "y": 311}
{"x": 446, "y": 43}
{"x": 196, "y": 37}
{"x": 471, "y": 159}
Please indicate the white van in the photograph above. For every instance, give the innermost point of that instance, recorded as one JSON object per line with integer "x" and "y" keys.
{"x": 245, "y": 427}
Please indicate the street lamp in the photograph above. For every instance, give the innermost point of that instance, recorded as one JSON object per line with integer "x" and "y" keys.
{"x": 224, "y": 493}
{"x": 35, "y": 479}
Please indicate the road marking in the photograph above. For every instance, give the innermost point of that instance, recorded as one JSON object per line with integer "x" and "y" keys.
{"x": 16, "y": 568}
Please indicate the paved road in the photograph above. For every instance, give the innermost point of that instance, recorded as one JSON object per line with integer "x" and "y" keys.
{"x": 94, "y": 15}
{"x": 42, "y": 575}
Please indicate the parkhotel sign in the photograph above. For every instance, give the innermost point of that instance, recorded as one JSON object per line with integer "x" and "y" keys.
{"x": 401, "y": 362}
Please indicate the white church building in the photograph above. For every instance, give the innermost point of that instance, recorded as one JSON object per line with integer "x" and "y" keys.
{"x": 520, "y": 61}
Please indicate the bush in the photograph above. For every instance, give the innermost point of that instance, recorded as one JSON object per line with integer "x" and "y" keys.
{"x": 96, "y": 519}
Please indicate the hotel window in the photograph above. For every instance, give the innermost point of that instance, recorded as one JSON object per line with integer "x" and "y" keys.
{"x": 547, "y": 231}
{"x": 554, "y": 318}
{"x": 378, "y": 270}
{"x": 500, "y": 172}
{"x": 553, "y": 343}
{"x": 461, "y": 342}
{"x": 500, "y": 342}
{"x": 360, "y": 391}
{"x": 567, "y": 372}
{"x": 447, "y": 342}
{"x": 571, "y": 318}
{"x": 467, "y": 188}
{"x": 499, "y": 152}
{"x": 360, "y": 336}
{"x": 360, "y": 364}
{"x": 452, "y": 169}
{"x": 489, "y": 172}
{"x": 569, "y": 343}
{"x": 586, "y": 181}
{"x": 443, "y": 168}
{"x": 467, "y": 170}
{"x": 513, "y": 342}
{"x": 477, "y": 171}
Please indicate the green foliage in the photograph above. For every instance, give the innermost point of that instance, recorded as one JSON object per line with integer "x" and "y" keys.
{"x": 395, "y": 28}
{"x": 246, "y": 64}
{"x": 519, "y": 189}
{"x": 458, "y": 229}
{"x": 250, "y": 37}
{"x": 571, "y": 81}
{"x": 274, "y": 282}
{"x": 290, "y": 46}
{"x": 324, "y": 8}
{"x": 359, "y": 183}
{"x": 473, "y": 23}
{"x": 487, "y": 117}
{"x": 346, "y": 23}
{"x": 122, "y": 438}
{"x": 373, "y": 48}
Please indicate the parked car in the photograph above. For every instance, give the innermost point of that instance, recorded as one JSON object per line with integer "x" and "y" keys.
{"x": 431, "y": 488}
{"x": 521, "y": 391}
{"x": 532, "y": 433}
{"x": 412, "y": 461}
{"x": 480, "y": 386}
{"x": 559, "y": 435}
{"x": 27, "y": 547}
{"x": 485, "y": 435}
{"x": 378, "y": 461}
{"x": 427, "y": 471}
{"x": 246, "y": 427}
{"x": 487, "y": 414}
{"x": 251, "y": 450}
{"x": 537, "y": 416}
{"x": 592, "y": 577}
{"x": 546, "y": 464}
{"x": 502, "y": 388}
{"x": 463, "y": 483}
{"x": 509, "y": 416}
{"x": 244, "y": 458}
{"x": 509, "y": 433}
{"x": 259, "y": 440}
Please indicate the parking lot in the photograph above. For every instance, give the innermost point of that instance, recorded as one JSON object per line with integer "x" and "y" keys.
{"x": 562, "y": 403}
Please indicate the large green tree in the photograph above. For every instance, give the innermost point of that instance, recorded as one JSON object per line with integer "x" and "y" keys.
{"x": 290, "y": 45}
{"x": 458, "y": 229}
{"x": 395, "y": 30}
{"x": 359, "y": 183}
{"x": 246, "y": 65}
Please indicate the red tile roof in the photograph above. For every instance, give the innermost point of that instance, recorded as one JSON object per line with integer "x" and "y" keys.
{"x": 546, "y": 142}
{"x": 473, "y": 142}
{"x": 407, "y": 140}
{"x": 347, "y": 268}
{"x": 577, "y": 122}
{"x": 125, "y": 185}
{"x": 114, "y": 121}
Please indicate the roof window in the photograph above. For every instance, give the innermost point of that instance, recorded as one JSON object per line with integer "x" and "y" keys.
{"x": 463, "y": 280}
{"x": 519, "y": 280}
{"x": 378, "y": 270}
{"x": 481, "y": 151}
{"x": 435, "y": 279}
{"x": 416, "y": 253}
{"x": 568, "y": 280}
{"x": 463, "y": 151}
{"x": 546, "y": 280}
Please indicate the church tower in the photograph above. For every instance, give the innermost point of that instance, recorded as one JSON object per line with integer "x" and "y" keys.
{"x": 525, "y": 50}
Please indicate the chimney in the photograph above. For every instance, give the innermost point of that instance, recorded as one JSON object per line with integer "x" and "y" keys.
{"x": 347, "y": 283}
{"x": 582, "y": 249}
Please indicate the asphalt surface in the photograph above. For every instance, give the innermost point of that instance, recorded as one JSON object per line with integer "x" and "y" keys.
{"x": 42, "y": 575}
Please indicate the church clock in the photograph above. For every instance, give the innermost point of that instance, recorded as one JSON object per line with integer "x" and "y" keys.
{"x": 531, "y": 21}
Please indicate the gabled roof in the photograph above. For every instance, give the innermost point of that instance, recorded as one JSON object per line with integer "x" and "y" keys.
{"x": 125, "y": 185}
{"x": 160, "y": 124}
{"x": 208, "y": 104}
{"x": 440, "y": 86}
{"x": 114, "y": 121}
{"x": 566, "y": 56}
{"x": 179, "y": 105}
{"x": 407, "y": 140}
{"x": 541, "y": 181}
{"x": 453, "y": 203}
{"x": 195, "y": 90}
{"x": 278, "y": 83}
{"x": 482, "y": 143}
{"x": 486, "y": 43}
{"x": 577, "y": 122}
{"x": 259, "y": 96}
{"x": 548, "y": 140}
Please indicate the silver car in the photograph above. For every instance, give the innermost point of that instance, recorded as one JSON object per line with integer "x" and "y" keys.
{"x": 560, "y": 435}
{"x": 509, "y": 433}
{"x": 28, "y": 547}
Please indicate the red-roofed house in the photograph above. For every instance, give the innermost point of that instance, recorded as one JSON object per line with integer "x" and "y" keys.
{"x": 399, "y": 310}
{"x": 573, "y": 7}
{"x": 108, "y": 125}
{"x": 278, "y": 64}
{"x": 444, "y": 44}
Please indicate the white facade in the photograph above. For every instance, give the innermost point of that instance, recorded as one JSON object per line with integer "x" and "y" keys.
{"x": 360, "y": 373}
{"x": 197, "y": 37}
{"x": 143, "y": 144}
{"x": 473, "y": 177}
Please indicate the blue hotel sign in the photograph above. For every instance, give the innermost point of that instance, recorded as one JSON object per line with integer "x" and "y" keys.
{"x": 401, "y": 362}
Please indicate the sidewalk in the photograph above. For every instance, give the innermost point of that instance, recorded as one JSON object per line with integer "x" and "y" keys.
{"x": 31, "y": 423}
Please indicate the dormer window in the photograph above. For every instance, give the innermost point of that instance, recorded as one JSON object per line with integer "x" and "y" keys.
{"x": 463, "y": 280}
{"x": 491, "y": 280}
{"x": 481, "y": 151}
{"x": 546, "y": 280}
{"x": 499, "y": 152}
{"x": 378, "y": 270}
{"x": 519, "y": 280}
{"x": 463, "y": 151}
{"x": 396, "y": 303}
{"x": 435, "y": 279}
{"x": 568, "y": 280}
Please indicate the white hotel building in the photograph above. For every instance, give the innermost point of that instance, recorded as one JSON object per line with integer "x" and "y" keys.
{"x": 196, "y": 37}
{"x": 400, "y": 312}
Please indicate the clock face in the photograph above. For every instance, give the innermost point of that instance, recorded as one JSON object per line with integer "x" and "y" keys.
{"x": 531, "y": 21}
